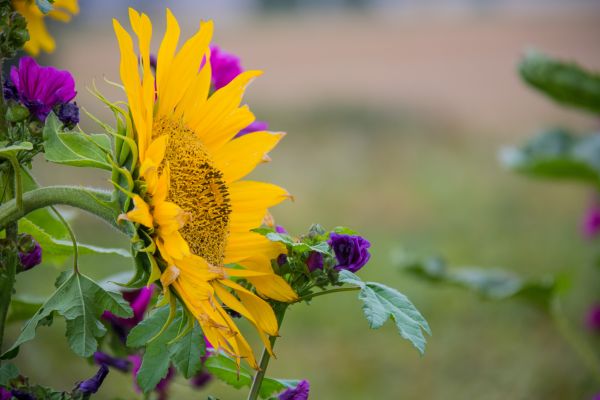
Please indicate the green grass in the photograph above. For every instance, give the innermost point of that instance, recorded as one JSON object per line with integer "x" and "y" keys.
{"x": 406, "y": 182}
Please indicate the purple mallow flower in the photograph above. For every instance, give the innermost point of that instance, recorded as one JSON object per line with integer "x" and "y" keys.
{"x": 39, "y": 88}
{"x": 300, "y": 392}
{"x": 5, "y": 394}
{"x": 225, "y": 67}
{"x": 30, "y": 251}
{"x": 90, "y": 386}
{"x": 121, "y": 364}
{"x": 592, "y": 319}
{"x": 314, "y": 261}
{"x": 351, "y": 252}
{"x": 591, "y": 221}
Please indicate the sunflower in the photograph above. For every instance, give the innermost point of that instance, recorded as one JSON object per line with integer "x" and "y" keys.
{"x": 39, "y": 38}
{"x": 191, "y": 200}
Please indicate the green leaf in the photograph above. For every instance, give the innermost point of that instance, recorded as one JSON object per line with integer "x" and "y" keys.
{"x": 226, "y": 369}
{"x": 13, "y": 150}
{"x": 186, "y": 353}
{"x": 75, "y": 148}
{"x": 565, "y": 82}
{"x": 21, "y": 309}
{"x": 298, "y": 247}
{"x": 381, "y": 303}
{"x": 148, "y": 328}
{"x": 81, "y": 301}
{"x": 8, "y": 372}
{"x": 559, "y": 155}
{"x": 61, "y": 247}
{"x": 490, "y": 284}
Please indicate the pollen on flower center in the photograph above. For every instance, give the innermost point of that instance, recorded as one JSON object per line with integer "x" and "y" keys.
{"x": 199, "y": 189}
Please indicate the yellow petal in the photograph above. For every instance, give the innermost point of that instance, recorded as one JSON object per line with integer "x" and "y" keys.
{"x": 140, "y": 213}
{"x": 167, "y": 50}
{"x": 250, "y": 201}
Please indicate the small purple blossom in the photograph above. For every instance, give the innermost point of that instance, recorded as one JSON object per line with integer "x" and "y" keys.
{"x": 68, "y": 114}
{"x": 21, "y": 395}
{"x": 280, "y": 229}
{"x": 5, "y": 394}
{"x": 121, "y": 364}
{"x": 90, "y": 386}
{"x": 225, "y": 67}
{"x": 281, "y": 259}
{"x": 591, "y": 221}
{"x": 9, "y": 90}
{"x": 300, "y": 392}
{"x": 30, "y": 252}
{"x": 351, "y": 252}
{"x": 592, "y": 319}
{"x": 200, "y": 380}
{"x": 314, "y": 261}
{"x": 41, "y": 88}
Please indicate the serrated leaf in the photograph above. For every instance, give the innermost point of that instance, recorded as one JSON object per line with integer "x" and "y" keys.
{"x": 81, "y": 301}
{"x": 488, "y": 283}
{"x": 8, "y": 372}
{"x": 565, "y": 82}
{"x": 557, "y": 154}
{"x": 186, "y": 353}
{"x": 74, "y": 148}
{"x": 381, "y": 303}
{"x": 62, "y": 247}
{"x": 226, "y": 369}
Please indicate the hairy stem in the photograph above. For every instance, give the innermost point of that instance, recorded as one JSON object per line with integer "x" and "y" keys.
{"x": 266, "y": 357}
{"x": 91, "y": 200}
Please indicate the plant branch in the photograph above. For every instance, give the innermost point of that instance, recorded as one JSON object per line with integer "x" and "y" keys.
{"x": 266, "y": 357}
{"x": 73, "y": 239}
{"x": 324, "y": 292}
{"x": 94, "y": 201}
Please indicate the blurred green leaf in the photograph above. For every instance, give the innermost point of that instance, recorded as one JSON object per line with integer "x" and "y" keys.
{"x": 8, "y": 372}
{"x": 81, "y": 301}
{"x": 565, "y": 82}
{"x": 557, "y": 154}
{"x": 381, "y": 303}
{"x": 226, "y": 369}
{"x": 21, "y": 309}
{"x": 75, "y": 148}
{"x": 63, "y": 248}
{"x": 492, "y": 284}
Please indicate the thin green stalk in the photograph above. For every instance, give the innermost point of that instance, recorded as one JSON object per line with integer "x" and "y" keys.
{"x": 266, "y": 357}
{"x": 575, "y": 340}
{"x": 73, "y": 239}
{"x": 91, "y": 200}
{"x": 324, "y": 292}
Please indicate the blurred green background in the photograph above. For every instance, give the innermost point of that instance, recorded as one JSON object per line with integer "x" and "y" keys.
{"x": 395, "y": 113}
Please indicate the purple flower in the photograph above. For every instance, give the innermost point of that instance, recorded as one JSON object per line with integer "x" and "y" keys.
{"x": 591, "y": 221}
{"x": 592, "y": 319}
{"x": 314, "y": 261}
{"x": 30, "y": 251}
{"x": 256, "y": 126}
{"x": 225, "y": 67}
{"x": 5, "y": 394}
{"x": 281, "y": 259}
{"x": 41, "y": 88}
{"x": 280, "y": 229}
{"x": 350, "y": 251}
{"x": 9, "y": 91}
{"x": 139, "y": 300}
{"x": 68, "y": 114}
{"x": 21, "y": 395}
{"x": 300, "y": 392}
{"x": 92, "y": 385}
{"x": 162, "y": 387}
{"x": 201, "y": 379}
{"x": 118, "y": 363}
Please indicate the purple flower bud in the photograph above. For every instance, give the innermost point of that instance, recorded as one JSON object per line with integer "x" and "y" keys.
{"x": 314, "y": 261}
{"x": 591, "y": 221}
{"x": 280, "y": 229}
{"x": 121, "y": 364}
{"x": 281, "y": 259}
{"x": 300, "y": 392}
{"x": 30, "y": 251}
{"x": 592, "y": 319}
{"x": 9, "y": 90}
{"x": 90, "y": 386}
{"x": 41, "y": 88}
{"x": 68, "y": 114}
{"x": 201, "y": 379}
{"x": 351, "y": 252}
{"x": 225, "y": 67}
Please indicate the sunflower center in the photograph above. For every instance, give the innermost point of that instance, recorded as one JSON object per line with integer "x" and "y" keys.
{"x": 199, "y": 189}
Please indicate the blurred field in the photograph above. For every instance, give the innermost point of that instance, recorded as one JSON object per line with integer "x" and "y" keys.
{"x": 394, "y": 124}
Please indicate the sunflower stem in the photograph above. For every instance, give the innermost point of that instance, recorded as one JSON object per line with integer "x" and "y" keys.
{"x": 94, "y": 201}
{"x": 280, "y": 310}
